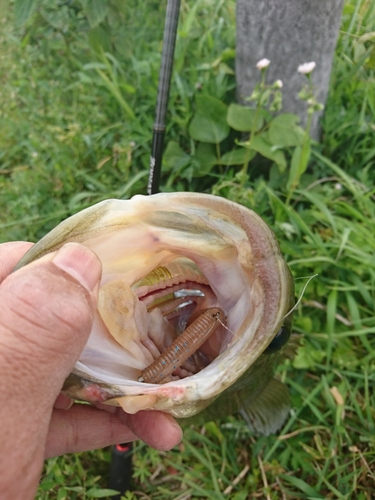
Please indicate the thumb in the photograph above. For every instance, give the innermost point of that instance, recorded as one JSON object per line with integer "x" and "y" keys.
{"x": 46, "y": 314}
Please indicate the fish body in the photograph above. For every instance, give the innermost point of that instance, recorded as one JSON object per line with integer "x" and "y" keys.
{"x": 166, "y": 258}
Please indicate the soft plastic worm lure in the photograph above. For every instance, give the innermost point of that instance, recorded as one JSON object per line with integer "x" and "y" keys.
{"x": 184, "y": 346}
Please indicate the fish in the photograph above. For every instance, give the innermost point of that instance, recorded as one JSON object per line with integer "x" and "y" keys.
{"x": 166, "y": 259}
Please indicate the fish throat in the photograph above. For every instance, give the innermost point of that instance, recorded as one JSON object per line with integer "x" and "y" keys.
{"x": 171, "y": 299}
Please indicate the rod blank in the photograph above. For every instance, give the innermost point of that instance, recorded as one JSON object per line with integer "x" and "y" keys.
{"x": 169, "y": 42}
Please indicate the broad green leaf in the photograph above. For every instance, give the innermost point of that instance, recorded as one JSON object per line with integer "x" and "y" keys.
{"x": 300, "y": 160}
{"x": 209, "y": 123}
{"x": 259, "y": 144}
{"x": 206, "y": 157}
{"x": 294, "y": 167}
{"x": 305, "y": 157}
{"x": 304, "y": 322}
{"x": 175, "y": 157}
{"x": 236, "y": 157}
{"x": 62, "y": 494}
{"x": 23, "y": 10}
{"x": 285, "y": 132}
{"x": 242, "y": 118}
{"x": 307, "y": 357}
{"x": 95, "y": 10}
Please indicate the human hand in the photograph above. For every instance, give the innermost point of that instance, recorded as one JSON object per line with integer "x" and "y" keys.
{"x": 46, "y": 313}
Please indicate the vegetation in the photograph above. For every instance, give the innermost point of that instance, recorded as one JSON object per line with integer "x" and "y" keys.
{"x": 78, "y": 91}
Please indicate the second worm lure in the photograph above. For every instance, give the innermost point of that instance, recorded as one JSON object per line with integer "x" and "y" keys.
{"x": 183, "y": 347}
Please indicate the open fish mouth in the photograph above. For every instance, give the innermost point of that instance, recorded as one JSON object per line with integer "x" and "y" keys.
{"x": 167, "y": 259}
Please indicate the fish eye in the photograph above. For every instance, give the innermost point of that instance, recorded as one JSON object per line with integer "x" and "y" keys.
{"x": 280, "y": 339}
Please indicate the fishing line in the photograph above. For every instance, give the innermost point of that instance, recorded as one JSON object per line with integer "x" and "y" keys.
{"x": 225, "y": 326}
{"x": 303, "y": 291}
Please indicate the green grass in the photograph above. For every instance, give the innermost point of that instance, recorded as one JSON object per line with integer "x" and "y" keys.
{"x": 76, "y": 114}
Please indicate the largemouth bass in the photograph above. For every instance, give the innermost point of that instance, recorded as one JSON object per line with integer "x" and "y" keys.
{"x": 167, "y": 259}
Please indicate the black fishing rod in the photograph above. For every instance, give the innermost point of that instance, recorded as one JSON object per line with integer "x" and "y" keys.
{"x": 169, "y": 42}
{"x": 121, "y": 470}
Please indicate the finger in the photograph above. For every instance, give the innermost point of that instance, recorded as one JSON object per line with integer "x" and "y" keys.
{"x": 46, "y": 314}
{"x": 83, "y": 428}
{"x": 63, "y": 402}
{"x": 155, "y": 428}
{"x": 10, "y": 254}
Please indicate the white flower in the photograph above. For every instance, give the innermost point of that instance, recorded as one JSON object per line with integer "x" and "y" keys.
{"x": 263, "y": 63}
{"x": 306, "y": 68}
{"x": 279, "y": 84}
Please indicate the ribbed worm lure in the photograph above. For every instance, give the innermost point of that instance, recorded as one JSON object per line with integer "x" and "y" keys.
{"x": 183, "y": 347}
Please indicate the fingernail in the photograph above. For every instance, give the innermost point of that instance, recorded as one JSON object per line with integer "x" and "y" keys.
{"x": 176, "y": 427}
{"x": 80, "y": 262}
{"x": 63, "y": 402}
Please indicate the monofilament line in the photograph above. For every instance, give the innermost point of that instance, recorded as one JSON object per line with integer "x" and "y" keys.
{"x": 303, "y": 291}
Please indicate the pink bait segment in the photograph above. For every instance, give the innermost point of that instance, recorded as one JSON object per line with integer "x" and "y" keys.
{"x": 183, "y": 347}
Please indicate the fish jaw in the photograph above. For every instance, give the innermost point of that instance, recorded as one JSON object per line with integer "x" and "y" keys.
{"x": 232, "y": 247}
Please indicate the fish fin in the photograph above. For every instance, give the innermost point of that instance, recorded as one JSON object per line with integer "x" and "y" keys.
{"x": 268, "y": 411}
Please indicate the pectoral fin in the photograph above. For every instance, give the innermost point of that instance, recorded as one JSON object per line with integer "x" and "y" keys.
{"x": 268, "y": 411}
